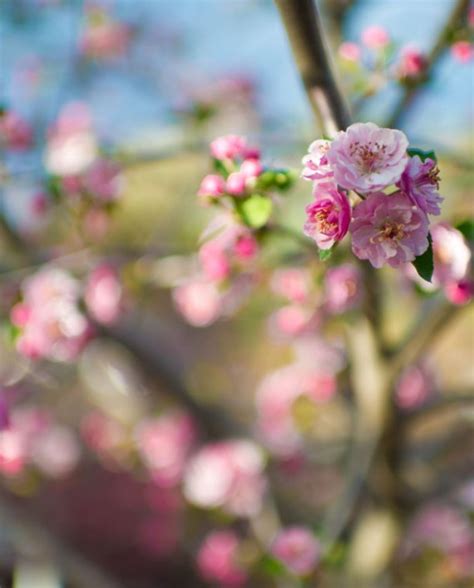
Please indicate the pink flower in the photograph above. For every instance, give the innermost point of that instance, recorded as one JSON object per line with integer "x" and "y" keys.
{"x": 198, "y": 301}
{"x": 420, "y": 182}
{"x": 228, "y": 475}
{"x": 375, "y": 37}
{"x": 103, "y": 180}
{"x": 462, "y": 51}
{"x": 388, "y": 229}
{"x": 451, "y": 254}
{"x": 15, "y": 133}
{"x": 343, "y": 288}
{"x": 349, "y": 51}
{"x": 165, "y": 444}
{"x": 292, "y": 319}
{"x": 52, "y": 324}
{"x": 292, "y": 283}
{"x": 298, "y": 549}
{"x": 56, "y": 452}
{"x": 413, "y": 62}
{"x": 328, "y": 217}
{"x": 235, "y": 184}
{"x": 217, "y": 560}
{"x": 214, "y": 260}
{"x": 103, "y": 294}
{"x": 212, "y": 186}
{"x": 413, "y": 388}
{"x": 368, "y": 158}
{"x": 229, "y": 147}
{"x": 316, "y": 164}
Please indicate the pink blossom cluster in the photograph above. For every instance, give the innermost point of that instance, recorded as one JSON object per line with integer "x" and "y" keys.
{"x": 33, "y": 439}
{"x": 227, "y": 475}
{"x": 15, "y": 132}
{"x": 50, "y": 321}
{"x": 164, "y": 444}
{"x": 386, "y": 227}
{"x": 218, "y": 560}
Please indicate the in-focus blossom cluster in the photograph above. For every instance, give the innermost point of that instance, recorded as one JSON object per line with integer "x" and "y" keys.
{"x": 49, "y": 320}
{"x": 395, "y": 189}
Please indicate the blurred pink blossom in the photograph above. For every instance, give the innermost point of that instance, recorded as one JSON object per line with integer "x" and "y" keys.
{"x": 292, "y": 283}
{"x": 462, "y": 51}
{"x": 236, "y": 183}
{"x": 165, "y": 443}
{"x": 349, "y": 51}
{"x": 56, "y": 452}
{"x": 375, "y": 37}
{"x": 217, "y": 560}
{"x": 229, "y": 475}
{"x": 451, "y": 254}
{"x": 103, "y": 180}
{"x": 342, "y": 288}
{"x": 414, "y": 387}
{"x": 413, "y": 62}
{"x": 198, "y": 301}
{"x": 15, "y": 133}
{"x": 298, "y": 549}
{"x": 104, "y": 294}
{"x": 315, "y": 163}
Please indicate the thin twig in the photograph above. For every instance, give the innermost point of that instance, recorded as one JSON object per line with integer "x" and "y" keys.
{"x": 413, "y": 90}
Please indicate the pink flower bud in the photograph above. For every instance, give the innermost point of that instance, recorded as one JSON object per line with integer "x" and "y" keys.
{"x": 412, "y": 63}
{"x": 413, "y": 388}
{"x": 214, "y": 261}
{"x": 228, "y": 147}
{"x": 459, "y": 293}
{"x": 375, "y": 37}
{"x": 245, "y": 247}
{"x": 462, "y": 51}
{"x": 212, "y": 186}
{"x": 350, "y": 51}
{"x": 251, "y": 168}
{"x": 235, "y": 184}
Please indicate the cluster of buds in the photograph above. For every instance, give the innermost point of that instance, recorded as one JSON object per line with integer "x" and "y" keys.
{"x": 241, "y": 182}
{"x": 369, "y": 183}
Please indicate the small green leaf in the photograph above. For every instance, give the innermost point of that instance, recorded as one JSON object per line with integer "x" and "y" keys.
{"x": 423, "y": 155}
{"x": 255, "y": 210}
{"x": 325, "y": 254}
{"x": 54, "y": 187}
{"x": 466, "y": 227}
{"x": 424, "y": 263}
{"x": 220, "y": 168}
{"x": 272, "y": 566}
{"x": 266, "y": 180}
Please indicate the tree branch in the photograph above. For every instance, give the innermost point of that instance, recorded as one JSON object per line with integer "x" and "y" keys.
{"x": 413, "y": 90}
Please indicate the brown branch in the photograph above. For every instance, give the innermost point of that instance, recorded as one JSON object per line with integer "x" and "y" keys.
{"x": 304, "y": 29}
{"x": 412, "y": 91}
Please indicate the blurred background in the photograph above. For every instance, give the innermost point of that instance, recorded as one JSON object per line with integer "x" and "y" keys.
{"x": 93, "y": 451}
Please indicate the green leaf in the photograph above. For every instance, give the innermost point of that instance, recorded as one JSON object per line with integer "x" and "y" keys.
{"x": 423, "y": 155}
{"x": 424, "y": 263}
{"x": 272, "y": 566}
{"x": 54, "y": 187}
{"x": 325, "y": 254}
{"x": 220, "y": 168}
{"x": 466, "y": 227}
{"x": 255, "y": 210}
